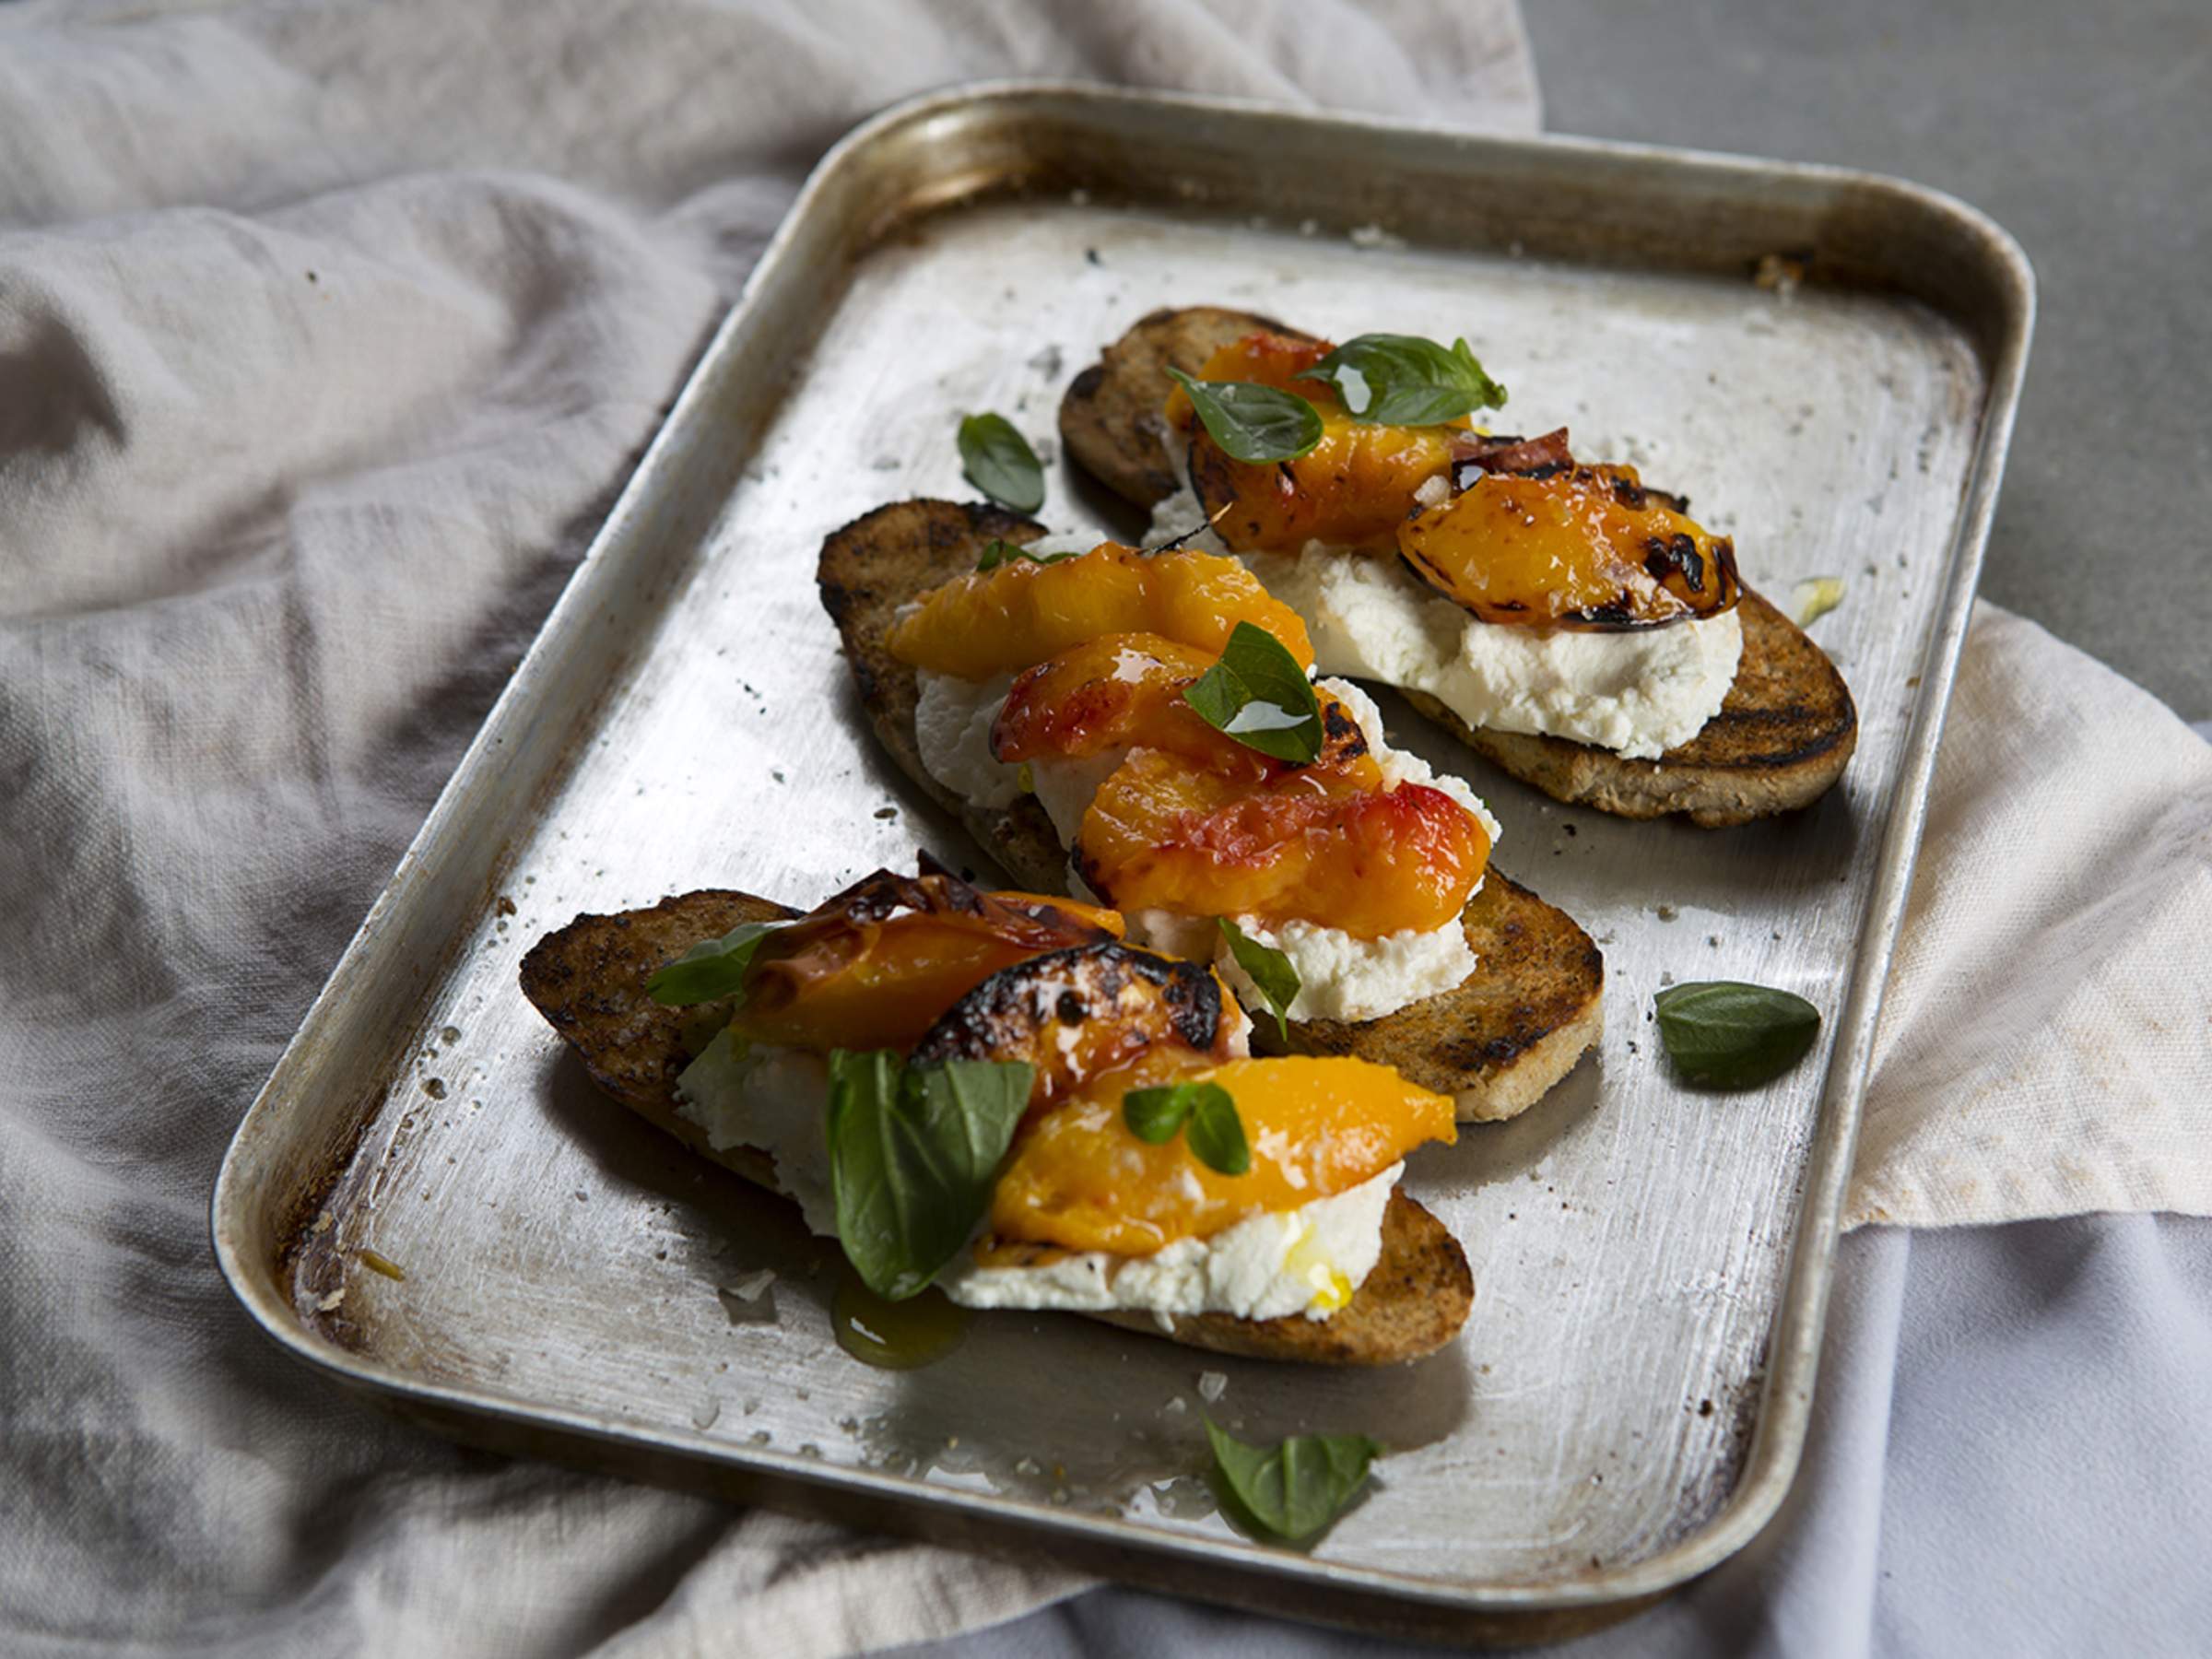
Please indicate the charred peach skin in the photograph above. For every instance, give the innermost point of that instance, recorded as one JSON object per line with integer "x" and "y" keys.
{"x": 1121, "y": 691}
{"x": 1583, "y": 548}
{"x": 1079, "y": 1180}
{"x": 1005, "y": 619}
{"x": 875, "y": 966}
{"x": 1352, "y": 489}
{"x": 1071, "y": 1015}
{"x": 1314, "y": 843}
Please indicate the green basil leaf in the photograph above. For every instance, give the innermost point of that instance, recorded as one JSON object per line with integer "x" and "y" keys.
{"x": 712, "y": 969}
{"x": 997, "y": 552}
{"x": 1268, "y": 969}
{"x": 1155, "y": 1114}
{"x": 1259, "y": 695}
{"x": 1403, "y": 380}
{"x": 1733, "y": 1036}
{"x": 1216, "y": 1133}
{"x": 998, "y": 461}
{"x": 1297, "y": 1487}
{"x": 913, "y": 1155}
{"x": 1251, "y": 422}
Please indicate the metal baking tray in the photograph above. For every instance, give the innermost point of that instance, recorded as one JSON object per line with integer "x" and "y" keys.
{"x": 1627, "y": 1405}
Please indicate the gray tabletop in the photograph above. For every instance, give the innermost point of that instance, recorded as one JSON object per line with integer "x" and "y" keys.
{"x": 2083, "y": 131}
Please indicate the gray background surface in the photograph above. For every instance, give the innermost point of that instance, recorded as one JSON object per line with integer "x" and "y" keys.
{"x": 2083, "y": 129}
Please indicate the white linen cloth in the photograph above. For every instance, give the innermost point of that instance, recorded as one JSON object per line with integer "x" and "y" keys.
{"x": 2045, "y": 1046}
{"x": 327, "y": 336}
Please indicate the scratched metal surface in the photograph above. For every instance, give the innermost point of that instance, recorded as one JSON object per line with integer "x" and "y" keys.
{"x": 1626, "y": 1403}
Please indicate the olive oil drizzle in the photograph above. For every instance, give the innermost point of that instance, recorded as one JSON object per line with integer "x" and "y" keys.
{"x": 895, "y": 1336}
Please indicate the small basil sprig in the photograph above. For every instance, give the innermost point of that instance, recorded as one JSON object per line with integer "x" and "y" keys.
{"x": 1205, "y": 1114}
{"x": 1403, "y": 380}
{"x": 997, "y": 552}
{"x": 998, "y": 461}
{"x": 1729, "y": 1035}
{"x": 913, "y": 1153}
{"x": 1296, "y": 1488}
{"x": 709, "y": 970}
{"x": 1253, "y": 422}
{"x": 1259, "y": 695}
{"x": 1268, "y": 969}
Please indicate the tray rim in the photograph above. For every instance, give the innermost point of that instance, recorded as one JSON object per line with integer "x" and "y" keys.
{"x": 1792, "y": 1368}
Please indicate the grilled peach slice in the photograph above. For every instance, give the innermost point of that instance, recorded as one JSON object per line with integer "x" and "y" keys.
{"x": 1122, "y": 690}
{"x": 1080, "y": 1179}
{"x": 1075, "y": 1014}
{"x": 1308, "y": 843}
{"x": 1353, "y": 489}
{"x": 875, "y": 966}
{"x": 1000, "y": 621}
{"x": 1588, "y": 547}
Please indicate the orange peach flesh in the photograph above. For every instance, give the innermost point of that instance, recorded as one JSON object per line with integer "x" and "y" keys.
{"x": 1080, "y": 1179}
{"x": 1120, "y": 690}
{"x": 1003, "y": 620}
{"x": 1195, "y": 822}
{"x": 832, "y": 981}
{"x": 1339, "y": 850}
{"x": 1352, "y": 489}
{"x": 1590, "y": 546}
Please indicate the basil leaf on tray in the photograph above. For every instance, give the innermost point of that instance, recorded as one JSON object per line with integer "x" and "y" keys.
{"x": 1250, "y": 422}
{"x": 997, "y": 552}
{"x": 712, "y": 969}
{"x": 1203, "y": 1111}
{"x": 1259, "y": 695}
{"x": 1294, "y": 1489}
{"x": 998, "y": 461}
{"x": 1729, "y": 1035}
{"x": 1268, "y": 969}
{"x": 913, "y": 1153}
{"x": 1403, "y": 380}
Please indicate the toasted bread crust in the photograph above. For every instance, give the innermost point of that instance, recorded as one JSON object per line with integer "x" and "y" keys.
{"x": 871, "y": 568}
{"x": 1497, "y": 1042}
{"x": 588, "y": 980}
{"x": 1109, "y": 418}
{"x": 1781, "y": 737}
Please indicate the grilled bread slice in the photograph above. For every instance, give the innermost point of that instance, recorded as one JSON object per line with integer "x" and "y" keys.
{"x": 588, "y": 980}
{"x": 1496, "y": 1043}
{"x": 1780, "y": 739}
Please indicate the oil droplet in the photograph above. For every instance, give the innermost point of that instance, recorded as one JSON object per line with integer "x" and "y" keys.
{"x": 895, "y": 1336}
{"x": 1185, "y": 1498}
{"x": 451, "y": 1034}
